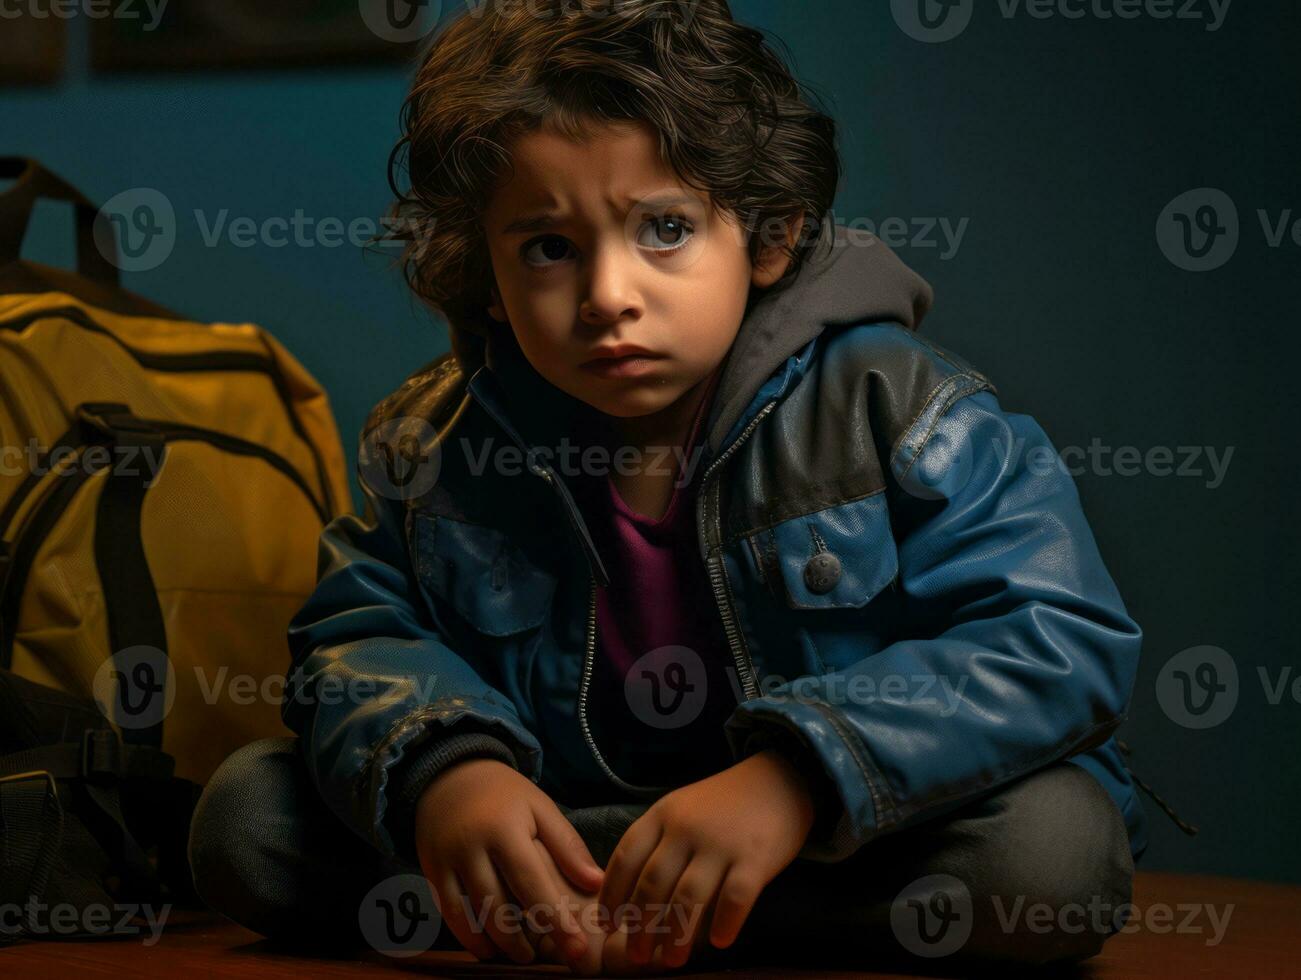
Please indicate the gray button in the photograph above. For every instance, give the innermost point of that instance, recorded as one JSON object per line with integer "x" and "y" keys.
{"x": 822, "y": 573}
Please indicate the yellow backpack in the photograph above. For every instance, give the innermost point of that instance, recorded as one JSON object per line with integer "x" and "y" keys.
{"x": 163, "y": 485}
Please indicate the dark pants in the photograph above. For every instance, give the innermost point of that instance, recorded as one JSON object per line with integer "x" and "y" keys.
{"x": 1037, "y": 871}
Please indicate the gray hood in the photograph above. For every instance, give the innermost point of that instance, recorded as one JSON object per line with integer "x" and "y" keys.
{"x": 859, "y": 280}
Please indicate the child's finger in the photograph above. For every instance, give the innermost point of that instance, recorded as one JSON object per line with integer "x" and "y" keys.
{"x": 568, "y": 849}
{"x": 538, "y": 892}
{"x": 589, "y": 962}
{"x": 736, "y": 897}
{"x": 654, "y": 887}
{"x": 689, "y": 907}
{"x": 449, "y": 896}
{"x": 615, "y": 962}
{"x": 630, "y": 854}
{"x": 487, "y": 896}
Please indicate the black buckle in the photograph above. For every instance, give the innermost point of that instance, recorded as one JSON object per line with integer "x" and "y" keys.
{"x": 101, "y": 753}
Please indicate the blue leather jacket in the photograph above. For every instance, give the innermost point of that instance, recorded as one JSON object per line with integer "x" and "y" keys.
{"x": 913, "y": 599}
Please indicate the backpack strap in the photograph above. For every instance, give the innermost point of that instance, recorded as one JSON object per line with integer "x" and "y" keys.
{"x": 31, "y": 834}
{"x": 99, "y": 757}
{"x": 96, "y": 260}
{"x": 135, "y": 617}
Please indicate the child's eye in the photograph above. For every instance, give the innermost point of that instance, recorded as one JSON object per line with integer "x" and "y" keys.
{"x": 672, "y": 232}
{"x": 663, "y": 235}
{"x": 553, "y": 249}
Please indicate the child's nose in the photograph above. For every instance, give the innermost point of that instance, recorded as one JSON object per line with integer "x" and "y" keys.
{"x": 612, "y": 291}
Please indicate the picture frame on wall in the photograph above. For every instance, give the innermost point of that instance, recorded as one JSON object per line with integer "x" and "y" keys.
{"x": 238, "y": 34}
{"x": 32, "y": 50}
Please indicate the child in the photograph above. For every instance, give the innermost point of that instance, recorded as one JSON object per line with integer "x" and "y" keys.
{"x": 830, "y": 666}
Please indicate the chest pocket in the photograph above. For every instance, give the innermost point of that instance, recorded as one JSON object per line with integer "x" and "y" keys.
{"x": 837, "y": 558}
{"x": 481, "y": 573}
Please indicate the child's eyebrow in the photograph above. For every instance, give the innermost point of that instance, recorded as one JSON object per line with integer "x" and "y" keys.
{"x": 547, "y": 219}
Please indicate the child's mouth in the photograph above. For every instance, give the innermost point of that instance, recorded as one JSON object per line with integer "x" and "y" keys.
{"x": 632, "y": 366}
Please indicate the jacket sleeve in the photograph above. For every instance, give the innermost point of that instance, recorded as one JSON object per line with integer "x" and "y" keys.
{"x": 1011, "y": 622}
{"x": 373, "y": 679}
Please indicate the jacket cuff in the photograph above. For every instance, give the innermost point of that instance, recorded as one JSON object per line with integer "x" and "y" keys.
{"x": 827, "y": 807}
{"x": 413, "y": 776}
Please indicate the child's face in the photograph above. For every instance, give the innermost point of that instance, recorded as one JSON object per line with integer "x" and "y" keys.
{"x": 616, "y": 251}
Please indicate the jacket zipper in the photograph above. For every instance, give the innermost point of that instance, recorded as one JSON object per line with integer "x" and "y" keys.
{"x": 714, "y": 565}
{"x": 736, "y": 642}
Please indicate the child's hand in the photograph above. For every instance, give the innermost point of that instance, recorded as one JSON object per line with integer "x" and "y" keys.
{"x": 709, "y": 847}
{"x": 606, "y": 954}
{"x": 588, "y": 914}
{"x": 480, "y": 826}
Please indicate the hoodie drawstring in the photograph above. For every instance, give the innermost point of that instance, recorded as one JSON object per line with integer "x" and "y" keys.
{"x": 1187, "y": 828}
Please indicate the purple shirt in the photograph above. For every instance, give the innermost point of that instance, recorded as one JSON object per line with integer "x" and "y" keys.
{"x": 664, "y": 724}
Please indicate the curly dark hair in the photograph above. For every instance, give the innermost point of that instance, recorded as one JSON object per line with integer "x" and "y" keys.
{"x": 731, "y": 120}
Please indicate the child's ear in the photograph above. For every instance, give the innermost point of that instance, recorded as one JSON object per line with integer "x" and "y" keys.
{"x": 773, "y": 261}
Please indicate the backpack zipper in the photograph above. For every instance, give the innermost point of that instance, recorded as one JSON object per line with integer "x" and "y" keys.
{"x": 209, "y": 361}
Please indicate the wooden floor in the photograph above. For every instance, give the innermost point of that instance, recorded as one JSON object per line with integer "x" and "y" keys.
{"x": 1174, "y": 937}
